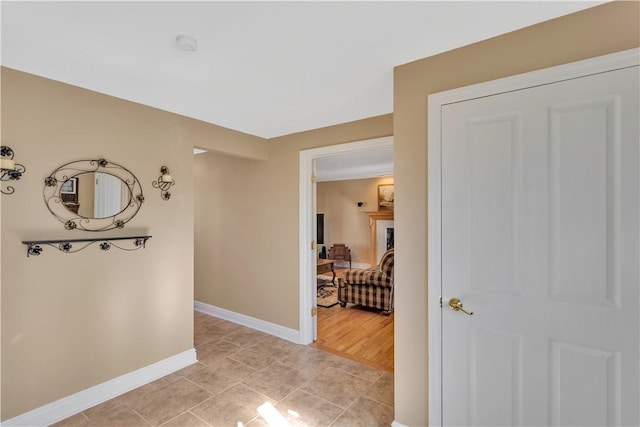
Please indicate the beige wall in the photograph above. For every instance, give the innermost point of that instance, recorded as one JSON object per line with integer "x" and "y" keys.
{"x": 234, "y": 215}
{"x": 126, "y": 310}
{"x": 246, "y": 223}
{"x": 344, "y": 221}
{"x": 604, "y": 29}
{"x": 71, "y": 321}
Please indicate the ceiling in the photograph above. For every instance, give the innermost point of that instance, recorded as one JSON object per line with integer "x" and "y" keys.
{"x": 263, "y": 68}
{"x": 355, "y": 165}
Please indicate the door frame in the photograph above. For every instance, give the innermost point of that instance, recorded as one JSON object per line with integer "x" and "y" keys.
{"x": 306, "y": 220}
{"x": 436, "y": 101}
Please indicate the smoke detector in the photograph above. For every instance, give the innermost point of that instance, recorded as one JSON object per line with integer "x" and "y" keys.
{"x": 187, "y": 43}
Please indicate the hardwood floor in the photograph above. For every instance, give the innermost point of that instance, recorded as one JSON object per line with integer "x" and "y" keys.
{"x": 357, "y": 333}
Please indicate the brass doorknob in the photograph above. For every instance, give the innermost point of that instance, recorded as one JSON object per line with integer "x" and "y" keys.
{"x": 456, "y": 305}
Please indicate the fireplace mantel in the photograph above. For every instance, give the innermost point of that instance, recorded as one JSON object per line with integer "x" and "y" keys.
{"x": 374, "y": 217}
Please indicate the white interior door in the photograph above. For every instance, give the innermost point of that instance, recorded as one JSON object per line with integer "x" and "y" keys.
{"x": 107, "y": 195}
{"x": 540, "y": 239}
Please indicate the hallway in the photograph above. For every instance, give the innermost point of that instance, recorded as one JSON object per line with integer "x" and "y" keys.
{"x": 241, "y": 376}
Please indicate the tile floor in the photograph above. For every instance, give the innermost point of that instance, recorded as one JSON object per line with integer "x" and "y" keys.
{"x": 240, "y": 370}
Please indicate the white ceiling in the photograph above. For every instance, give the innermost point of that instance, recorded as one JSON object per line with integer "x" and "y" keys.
{"x": 355, "y": 165}
{"x": 264, "y": 68}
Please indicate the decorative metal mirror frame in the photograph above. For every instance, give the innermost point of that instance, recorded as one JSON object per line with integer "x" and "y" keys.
{"x": 72, "y": 221}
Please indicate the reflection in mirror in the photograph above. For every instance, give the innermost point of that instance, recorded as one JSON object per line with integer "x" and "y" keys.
{"x": 95, "y": 195}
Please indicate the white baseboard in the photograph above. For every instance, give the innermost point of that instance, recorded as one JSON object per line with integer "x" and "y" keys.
{"x": 288, "y": 334}
{"x": 397, "y": 424}
{"x": 71, "y": 405}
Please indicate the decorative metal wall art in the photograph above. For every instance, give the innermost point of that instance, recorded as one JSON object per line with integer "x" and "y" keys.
{"x": 92, "y": 195}
{"x": 9, "y": 169}
{"x": 34, "y": 247}
{"x": 164, "y": 183}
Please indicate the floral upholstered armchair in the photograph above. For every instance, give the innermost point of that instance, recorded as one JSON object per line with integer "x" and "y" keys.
{"x": 372, "y": 287}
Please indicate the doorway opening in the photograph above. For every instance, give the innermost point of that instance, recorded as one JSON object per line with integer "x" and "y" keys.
{"x": 308, "y": 224}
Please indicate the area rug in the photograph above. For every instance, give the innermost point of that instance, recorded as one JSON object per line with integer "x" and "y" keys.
{"x": 327, "y": 296}
{"x": 327, "y": 292}
{"x": 326, "y": 278}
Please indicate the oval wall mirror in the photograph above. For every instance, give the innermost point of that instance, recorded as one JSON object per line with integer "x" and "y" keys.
{"x": 93, "y": 195}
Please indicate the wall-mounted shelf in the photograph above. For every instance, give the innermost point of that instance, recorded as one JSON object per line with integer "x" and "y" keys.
{"x": 69, "y": 245}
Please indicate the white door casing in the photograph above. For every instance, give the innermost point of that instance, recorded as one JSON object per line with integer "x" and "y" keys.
{"x": 307, "y": 217}
{"x": 107, "y": 195}
{"x": 539, "y": 237}
{"x": 314, "y": 234}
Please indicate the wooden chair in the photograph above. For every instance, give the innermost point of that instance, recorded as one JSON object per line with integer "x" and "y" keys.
{"x": 340, "y": 252}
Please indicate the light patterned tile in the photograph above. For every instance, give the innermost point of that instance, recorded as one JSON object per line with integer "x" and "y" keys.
{"x": 127, "y": 399}
{"x": 165, "y": 403}
{"x": 130, "y": 398}
{"x": 166, "y": 380}
{"x": 277, "y": 381}
{"x": 186, "y": 419}
{"x": 366, "y": 413}
{"x": 310, "y": 387}
{"x": 223, "y": 328}
{"x": 185, "y": 372}
{"x": 359, "y": 370}
{"x": 260, "y": 356}
{"x": 77, "y": 420}
{"x": 121, "y": 416}
{"x": 221, "y": 375}
{"x": 206, "y": 330}
{"x": 303, "y": 409}
{"x": 337, "y": 387}
{"x": 288, "y": 346}
{"x": 246, "y": 337}
{"x": 257, "y": 422}
{"x": 238, "y": 404}
{"x": 215, "y": 350}
{"x": 199, "y": 317}
{"x": 310, "y": 360}
{"x": 382, "y": 390}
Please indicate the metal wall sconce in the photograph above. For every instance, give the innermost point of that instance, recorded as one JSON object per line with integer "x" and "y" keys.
{"x": 164, "y": 183}
{"x": 10, "y": 170}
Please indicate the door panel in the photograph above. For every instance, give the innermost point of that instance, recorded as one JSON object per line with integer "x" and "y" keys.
{"x": 496, "y": 359}
{"x": 540, "y": 239}
{"x": 595, "y": 373}
{"x": 494, "y": 145}
{"x": 584, "y": 173}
